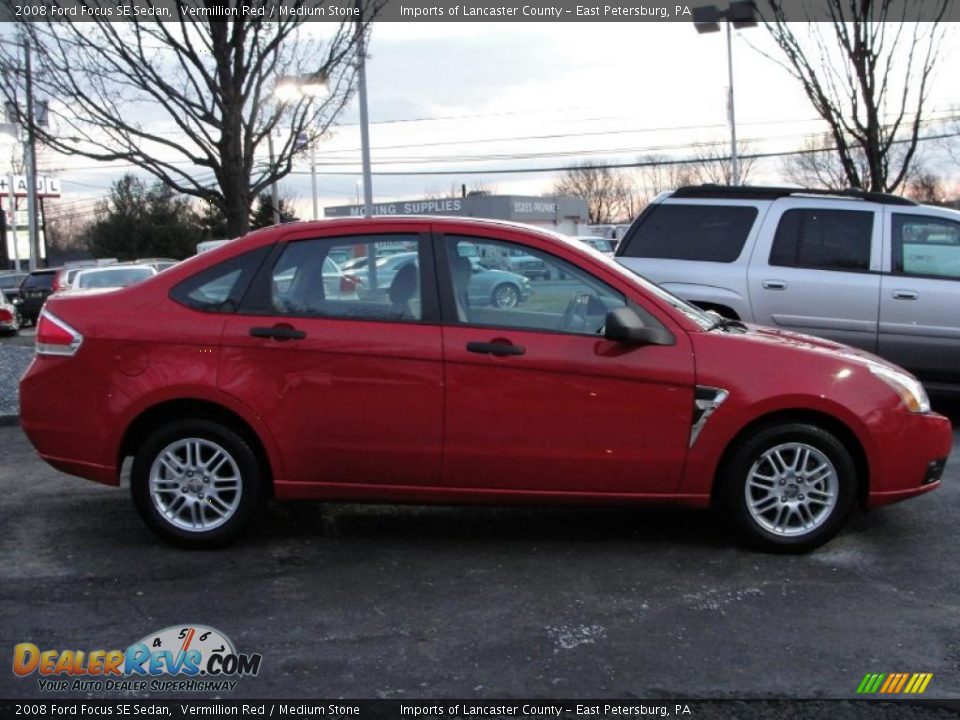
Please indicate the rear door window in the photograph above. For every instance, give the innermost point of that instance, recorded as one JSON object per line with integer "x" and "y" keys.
{"x": 713, "y": 233}
{"x": 823, "y": 239}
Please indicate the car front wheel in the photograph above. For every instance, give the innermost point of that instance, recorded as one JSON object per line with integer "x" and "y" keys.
{"x": 789, "y": 487}
{"x": 505, "y": 295}
{"x": 196, "y": 483}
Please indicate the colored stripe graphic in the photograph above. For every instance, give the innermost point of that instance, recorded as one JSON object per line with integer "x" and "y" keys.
{"x": 894, "y": 683}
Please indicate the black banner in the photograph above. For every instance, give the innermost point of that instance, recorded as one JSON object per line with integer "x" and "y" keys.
{"x": 479, "y": 709}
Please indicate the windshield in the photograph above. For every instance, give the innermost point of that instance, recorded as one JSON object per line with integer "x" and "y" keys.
{"x": 693, "y": 313}
{"x": 113, "y": 278}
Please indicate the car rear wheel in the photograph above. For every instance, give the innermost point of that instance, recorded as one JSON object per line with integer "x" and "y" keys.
{"x": 789, "y": 487}
{"x": 196, "y": 483}
{"x": 505, "y": 295}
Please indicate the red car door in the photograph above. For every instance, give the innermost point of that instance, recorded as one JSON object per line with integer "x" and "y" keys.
{"x": 537, "y": 400}
{"x": 346, "y": 372}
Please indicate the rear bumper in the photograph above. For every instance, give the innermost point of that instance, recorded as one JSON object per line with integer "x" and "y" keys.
{"x": 66, "y": 414}
{"x": 910, "y": 458}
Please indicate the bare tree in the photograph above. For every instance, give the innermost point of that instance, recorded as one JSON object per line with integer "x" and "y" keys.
{"x": 926, "y": 186}
{"x": 189, "y": 100}
{"x": 659, "y": 173}
{"x": 819, "y": 166}
{"x": 712, "y": 163}
{"x": 865, "y": 61}
{"x": 609, "y": 194}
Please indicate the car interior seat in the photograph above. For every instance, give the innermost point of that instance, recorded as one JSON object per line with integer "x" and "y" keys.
{"x": 403, "y": 289}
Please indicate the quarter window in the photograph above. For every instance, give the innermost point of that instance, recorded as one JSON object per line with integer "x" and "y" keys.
{"x": 335, "y": 277}
{"x": 219, "y": 288}
{"x": 823, "y": 239}
{"x": 501, "y": 284}
{"x": 713, "y": 233}
{"x": 926, "y": 246}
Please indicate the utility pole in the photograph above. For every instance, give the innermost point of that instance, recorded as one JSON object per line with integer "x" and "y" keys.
{"x": 364, "y": 119}
{"x": 31, "y": 165}
{"x": 13, "y": 224}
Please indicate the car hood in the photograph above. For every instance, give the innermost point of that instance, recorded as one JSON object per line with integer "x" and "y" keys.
{"x": 809, "y": 343}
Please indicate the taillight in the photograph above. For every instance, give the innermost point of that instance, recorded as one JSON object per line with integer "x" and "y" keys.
{"x": 347, "y": 284}
{"x": 58, "y": 284}
{"x": 55, "y": 337}
{"x": 5, "y": 315}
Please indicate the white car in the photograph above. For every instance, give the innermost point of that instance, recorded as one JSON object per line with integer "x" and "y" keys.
{"x": 9, "y": 317}
{"x": 113, "y": 276}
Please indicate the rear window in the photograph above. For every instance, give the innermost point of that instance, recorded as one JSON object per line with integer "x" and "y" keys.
{"x": 713, "y": 233}
{"x": 43, "y": 281}
{"x": 10, "y": 281}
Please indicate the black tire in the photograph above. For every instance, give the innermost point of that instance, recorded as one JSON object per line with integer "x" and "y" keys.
{"x": 509, "y": 290}
{"x": 252, "y": 484}
{"x": 788, "y": 487}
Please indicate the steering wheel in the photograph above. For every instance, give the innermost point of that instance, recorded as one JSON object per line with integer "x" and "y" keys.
{"x": 575, "y": 316}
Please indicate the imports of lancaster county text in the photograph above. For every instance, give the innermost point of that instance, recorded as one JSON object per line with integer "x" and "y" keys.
{"x": 539, "y": 12}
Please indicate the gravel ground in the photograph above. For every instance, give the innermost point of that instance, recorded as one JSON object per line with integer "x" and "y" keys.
{"x": 13, "y": 361}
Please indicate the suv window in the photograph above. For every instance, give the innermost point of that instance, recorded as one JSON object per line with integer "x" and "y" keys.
{"x": 926, "y": 246}
{"x": 307, "y": 282}
{"x": 219, "y": 288}
{"x": 823, "y": 239}
{"x": 714, "y": 233}
{"x": 485, "y": 294}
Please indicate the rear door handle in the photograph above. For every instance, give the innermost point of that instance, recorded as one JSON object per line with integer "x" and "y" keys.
{"x": 774, "y": 284}
{"x": 495, "y": 348}
{"x": 905, "y": 295}
{"x": 278, "y": 332}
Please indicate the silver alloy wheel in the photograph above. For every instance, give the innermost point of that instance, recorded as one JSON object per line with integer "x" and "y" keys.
{"x": 195, "y": 484}
{"x": 505, "y": 296}
{"x": 791, "y": 489}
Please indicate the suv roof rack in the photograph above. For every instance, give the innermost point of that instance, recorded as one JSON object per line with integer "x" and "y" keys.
{"x": 759, "y": 192}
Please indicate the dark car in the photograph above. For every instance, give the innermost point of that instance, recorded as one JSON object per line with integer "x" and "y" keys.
{"x": 10, "y": 284}
{"x": 34, "y": 291}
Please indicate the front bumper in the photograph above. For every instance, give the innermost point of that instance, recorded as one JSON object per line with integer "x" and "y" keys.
{"x": 910, "y": 458}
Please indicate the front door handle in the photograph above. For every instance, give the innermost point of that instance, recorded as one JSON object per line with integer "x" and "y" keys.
{"x": 278, "y": 332}
{"x": 499, "y": 349}
{"x": 774, "y": 284}
{"x": 905, "y": 295}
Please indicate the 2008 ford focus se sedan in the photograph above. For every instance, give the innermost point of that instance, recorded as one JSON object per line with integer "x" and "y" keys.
{"x": 240, "y": 375}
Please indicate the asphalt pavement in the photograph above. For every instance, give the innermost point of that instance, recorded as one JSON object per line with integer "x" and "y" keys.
{"x": 349, "y": 601}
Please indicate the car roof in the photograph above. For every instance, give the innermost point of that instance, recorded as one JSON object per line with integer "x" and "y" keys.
{"x": 113, "y": 268}
{"x": 762, "y": 192}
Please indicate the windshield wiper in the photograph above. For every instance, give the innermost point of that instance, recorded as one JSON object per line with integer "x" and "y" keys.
{"x": 723, "y": 323}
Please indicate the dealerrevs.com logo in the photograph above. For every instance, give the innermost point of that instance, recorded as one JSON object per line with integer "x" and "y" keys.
{"x": 180, "y": 658}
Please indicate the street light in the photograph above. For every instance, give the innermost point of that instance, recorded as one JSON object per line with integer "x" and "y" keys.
{"x": 739, "y": 14}
{"x": 290, "y": 88}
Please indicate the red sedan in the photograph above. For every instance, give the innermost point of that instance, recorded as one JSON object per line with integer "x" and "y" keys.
{"x": 236, "y": 376}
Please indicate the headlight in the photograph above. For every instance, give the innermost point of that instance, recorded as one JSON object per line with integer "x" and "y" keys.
{"x": 908, "y": 388}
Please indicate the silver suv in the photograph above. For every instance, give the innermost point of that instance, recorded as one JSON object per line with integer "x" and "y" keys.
{"x": 875, "y": 271}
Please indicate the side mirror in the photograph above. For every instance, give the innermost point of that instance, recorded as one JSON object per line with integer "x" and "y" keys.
{"x": 623, "y": 325}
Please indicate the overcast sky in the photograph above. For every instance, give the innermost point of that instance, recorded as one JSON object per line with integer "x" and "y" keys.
{"x": 454, "y": 94}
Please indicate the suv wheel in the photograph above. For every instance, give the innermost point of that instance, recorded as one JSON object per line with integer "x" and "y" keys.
{"x": 789, "y": 487}
{"x": 196, "y": 483}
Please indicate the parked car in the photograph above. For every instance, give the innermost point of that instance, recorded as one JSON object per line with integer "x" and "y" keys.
{"x": 112, "y": 276}
{"x": 608, "y": 389}
{"x": 158, "y": 264}
{"x": 35, "y": 288}
{"x": 875, "y": 271}
{"x": 10, "y": 285}
{"x": 66, "y": 274}
{"x": 9, "y": 317}
{"x": 600, "y": 244}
